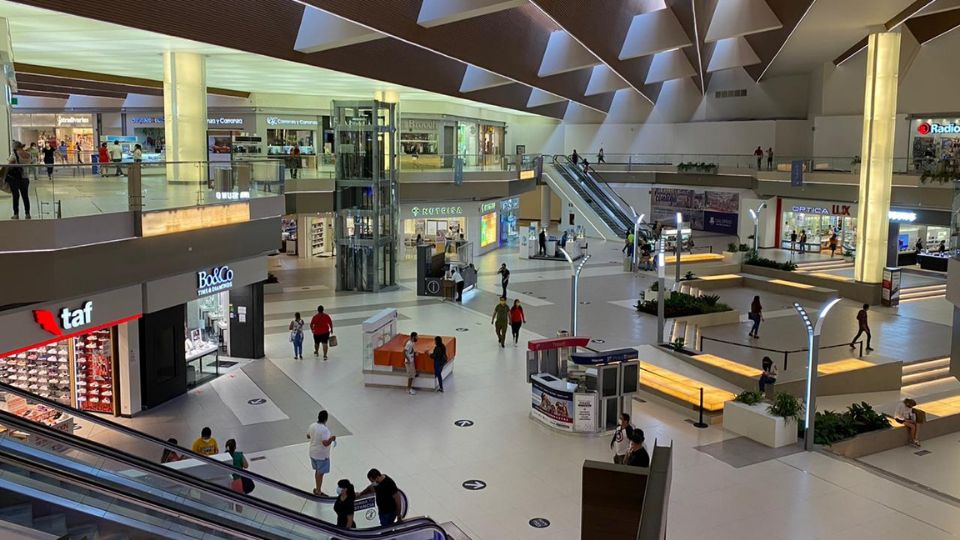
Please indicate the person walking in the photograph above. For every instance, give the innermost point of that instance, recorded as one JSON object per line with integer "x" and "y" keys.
{"x": 803, "y": 241}
{"x": 517, "y": 319}
{"x": 638, "y": 456}
{"x": 586, "y": 166}
{"x": 458, "y": 282}
{"x": 439, "y": 356}
{"x": 239, "y": 483}
{"x": 296, "y": 336}
{"x": 542, "y": 239}
{"x": 600, "y": 156}
{"x": 906, "y": 416}
{"x": 759, "y": 155}
{"x": 793, "y": 240}
{"x": 169, "y": 456}
{"x": 320, "y": 443}
{"x": 78, "y": 149}
{"x": 863, "y": 327}
{"x": 49, "y": 157}
{"x": 295, "y": 161}
{"x": 387, "y": 496}
{"x": 18, "y": 179}
{"x": 646, "y": 257}
{"x": 504, "y": 278}
{"x": 116, "y": 156}
{"x": 833, "y": 244}
{"x": 321, "y": 325}
{"x": 919, "y": 246}
{"x": 409, "y": 361}
{"x": 620, "y": 444}
{"x": 206, "y": 445}
{"x": 756, "y": 315}
{"x": 103, "y": 158}
{"x": 770, "y": 158}
{"x": 344, "y": 506}
{"x": 501, "y": 314}
{"x": 769, "y": 375}
{"x": 34, "y": 152}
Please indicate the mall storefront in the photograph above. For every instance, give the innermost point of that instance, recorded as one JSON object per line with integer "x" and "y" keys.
{"x": 819, "y": 220}
{"x": 934, "y": 141}
{"x": 191, "y": 320}
{"x": 82, "y": 352}
{"x": 432, "y": 142}
{"x": 56, "y": 128}
{"x": 488, "y": 225}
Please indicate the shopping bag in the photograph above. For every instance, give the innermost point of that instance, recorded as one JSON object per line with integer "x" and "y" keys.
{"x": 333, "y": 340}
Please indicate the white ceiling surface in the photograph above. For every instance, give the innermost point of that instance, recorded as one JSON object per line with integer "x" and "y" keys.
{"x": 829, "y": 28}
{"x": 735, "y": 18}
{"x": 321, "y": 31}
{"x": 669, "y": 65}
{"x": 653, "y": 32}
{"x": 564, "y": 54}
{"x": 939, "y": 5}
{"x": 53, "y": 39}
{"x": 438, "y": 12}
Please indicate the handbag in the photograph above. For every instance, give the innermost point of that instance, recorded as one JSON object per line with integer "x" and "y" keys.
{"x": 333, "y": 340}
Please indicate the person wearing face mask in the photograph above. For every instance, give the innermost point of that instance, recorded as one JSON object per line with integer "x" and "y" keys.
{"x": 388, "y": 496}
{"x": 343, "y": 506}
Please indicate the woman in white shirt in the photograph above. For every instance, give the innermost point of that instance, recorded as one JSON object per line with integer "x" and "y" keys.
{"x": 908, "y": 417}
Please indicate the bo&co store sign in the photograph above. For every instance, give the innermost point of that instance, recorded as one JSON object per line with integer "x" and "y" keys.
{"x": 217, "y": 279}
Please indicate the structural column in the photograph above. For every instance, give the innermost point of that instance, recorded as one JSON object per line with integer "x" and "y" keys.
{"x": 6, "y": 81}
{"x": 545, "y": 199}
{"x": 185, "y": 116}
{"x": 876, "y": 171}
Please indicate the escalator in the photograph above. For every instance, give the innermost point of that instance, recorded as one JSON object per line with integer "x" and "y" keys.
{"x": 46, "y": 467}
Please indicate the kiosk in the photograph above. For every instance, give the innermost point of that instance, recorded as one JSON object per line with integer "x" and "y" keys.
{"x": 383, "y": 362}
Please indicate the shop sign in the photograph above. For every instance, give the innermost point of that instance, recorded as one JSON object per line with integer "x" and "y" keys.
{"x": 834, "y": 210}
{"x": 221, "y": 121}
{"x": 279, "y": 121}
{"x": 507, "y": 205}
{"x": 488, "y": 207}
{"x": 74, "y": 120}
{"x": 424, "y": 211}
{"x": 934, "y": 128}
{"x": 146, "y": 120}
{"x": 69, "y": 319}
{"x": 217, "y": 279}
{"x": 900, "y": 216}
{"x": 232, "y": 195}
{"x": 419, "y": 125}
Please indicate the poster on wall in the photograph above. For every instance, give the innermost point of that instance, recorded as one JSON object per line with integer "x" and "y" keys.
{"x": 553, "y": 407}
{"x": 488, "y": 229}
{"x": 586, "y": 415}
{"x": 720, "y": 222}
{"x": 714, "y": 211}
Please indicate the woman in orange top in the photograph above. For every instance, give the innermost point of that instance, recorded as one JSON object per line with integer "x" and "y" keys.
{"x": 517, "y": 319}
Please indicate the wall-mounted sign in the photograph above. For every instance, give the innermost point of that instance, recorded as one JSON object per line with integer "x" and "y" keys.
{"x": 74, "y": 120}
{"x": 218, "y": 121}
{"x": 280, "y": 121}
{"x": 410, "y": 124}
{"x": 146, "y": 120}
{"x": 834, "y": 210}
{"x": 901, "y": 216}
{"x": 68, "y": 319}
{"x": 488, "y": 207}
{"x": 232, "y": 195}
{"x": 221, "y": 121}
{"x": 935, "y": 128}
{"x": 528, "y": 174}
{"x": 217, "y": 279}
{"x": 425, "y": 211}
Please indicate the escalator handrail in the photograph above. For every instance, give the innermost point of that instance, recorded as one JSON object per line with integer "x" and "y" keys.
{"x": 228, "y": 469}
{"x": 77, "y": 480}
{"x": 584, "y": 189}
{"x": 604, "y": 191}
{"x": 134, "y": 462}
{"x": 609, "y": 192}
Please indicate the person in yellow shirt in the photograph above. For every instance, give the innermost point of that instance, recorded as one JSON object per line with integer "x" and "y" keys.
{"x": 206, "y": 445}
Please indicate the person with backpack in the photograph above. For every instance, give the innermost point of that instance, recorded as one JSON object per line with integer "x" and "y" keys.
{"x": 17, "y": 180}
{"x": 439, "y": 360}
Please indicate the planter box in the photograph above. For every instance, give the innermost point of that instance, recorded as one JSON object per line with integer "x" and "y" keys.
{"x": 754, "y": 422}
{"x": 734, "y": 257}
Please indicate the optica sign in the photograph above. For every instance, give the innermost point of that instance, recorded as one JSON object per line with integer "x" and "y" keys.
{"x": 928, "y": 128}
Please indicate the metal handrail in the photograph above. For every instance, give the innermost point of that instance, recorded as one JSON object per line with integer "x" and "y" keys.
{"x": 71, "y": 440}
{"x": 785, "y": 352}
{"x": 227, "y": 469}
{"x": 595, "y": 191}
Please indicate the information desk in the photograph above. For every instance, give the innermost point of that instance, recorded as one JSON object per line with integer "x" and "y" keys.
{"x": 556, "y": 403}
{"x": 390, "y": 354}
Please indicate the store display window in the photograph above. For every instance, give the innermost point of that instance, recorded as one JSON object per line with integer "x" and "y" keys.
{"x": 94, "y": 370}
{"x": 819, "y": 228}
{"x": 207, "y": 332}
{"x": 434, "y": 232}
{"x": 44, "y": 371}
{"x": 509, "y": 220}
{"x": 488, "y": 229}
{"x": 280, "y": 142}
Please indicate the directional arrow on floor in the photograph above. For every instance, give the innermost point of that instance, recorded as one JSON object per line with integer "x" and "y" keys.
{"x": 539, "y": 523}
{"x": 463, "y": 423}
{"x": 474, "y": 485}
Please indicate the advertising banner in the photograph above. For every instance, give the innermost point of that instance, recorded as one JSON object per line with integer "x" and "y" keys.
{"x": 719, "y": 222}
{"x": 586, "y": 412}
{"x": 890, "y": 287}
{"x": 554, "y": 407}
{"x": 796, "y": 173}
{"x": 722, "y": 201}
{"x": 695, "y": 207}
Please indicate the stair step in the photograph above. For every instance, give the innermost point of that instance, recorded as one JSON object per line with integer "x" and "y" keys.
{"x": 926, "y": 376}
{"x": 926, "y": 365}
{"x": 87, "y": 531}
{"x": 53, "y": 524}
{"x": 936, "y": 286}
{"x": 922, "y": 295}
{"x": 21, "y": 514}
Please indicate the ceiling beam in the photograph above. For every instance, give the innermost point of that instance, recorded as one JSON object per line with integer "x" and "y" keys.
{"x": 70, "y": 91}
{"x": 768, "y": 45}
{"x": 916, "y": 7}
{"x": 929, "y": 27}
{"x": 43, "y": 94}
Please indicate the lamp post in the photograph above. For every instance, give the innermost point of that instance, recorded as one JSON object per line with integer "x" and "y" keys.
{"x": 661, "y": 283}
{"x": 636, "y": 234}
{"x": 755, "y": 215}
{"x": 574, "y": 286}
{"x": 813, "y": 361}
{"x": 676, "y": 284}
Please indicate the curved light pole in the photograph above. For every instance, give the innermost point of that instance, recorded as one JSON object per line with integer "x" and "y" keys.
{"x": 636, "y": 234}
{"x": 574, "y": 286}
{"x": 813, "y": 361}
{"x": 755, "y": 215}
{"x": 661, "y": 283}
{"x": 676, "y": 284}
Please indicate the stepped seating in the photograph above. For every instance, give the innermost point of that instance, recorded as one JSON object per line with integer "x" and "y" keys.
{"x": 681, "y": 388}
{"x": 928, "y": 371}
{"x": 692, "y": 258}
{"x": 789, "y": 288}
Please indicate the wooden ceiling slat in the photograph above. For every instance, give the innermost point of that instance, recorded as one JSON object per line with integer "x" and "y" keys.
{"x": 928, "y": 27}
{"x": 65, "y": 90}
{"x": 137, "y": 82}
{"x": 768, "y": 44}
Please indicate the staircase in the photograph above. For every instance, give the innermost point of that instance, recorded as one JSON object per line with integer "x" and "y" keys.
{"x": 924, "y": 292}
{"x": 824, "y": 266}
{"x": 927, "y": 371}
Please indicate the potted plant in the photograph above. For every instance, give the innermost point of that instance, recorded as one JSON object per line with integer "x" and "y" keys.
{"x": 733, "y": 254}
{"x": 773, "y": 425}
{"x": 749, "y": 397}
{"x": 786, "y": 406}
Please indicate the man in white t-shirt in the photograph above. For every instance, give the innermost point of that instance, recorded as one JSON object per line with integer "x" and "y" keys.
{"x": 116, "y": 156}
{"x": 408, "y": 361}
{"x": 320, "y": 441}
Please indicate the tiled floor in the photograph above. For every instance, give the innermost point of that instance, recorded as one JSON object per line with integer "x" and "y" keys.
{"x": 530, "y": 470}
{"x": 936, "y": 469}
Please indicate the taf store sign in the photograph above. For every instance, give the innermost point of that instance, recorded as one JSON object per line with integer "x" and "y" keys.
{"x": 215, "y": 280}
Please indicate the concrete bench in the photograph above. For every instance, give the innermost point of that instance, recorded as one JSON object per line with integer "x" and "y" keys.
{"x": 692, "y": 258}
{"x": 789, "y": 288}
{"x": 681, "y": 388}
{"x": 887, "y": 439}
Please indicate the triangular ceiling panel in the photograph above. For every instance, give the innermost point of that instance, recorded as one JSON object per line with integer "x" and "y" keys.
{"x": 539, "y": 97}
{"x": 731, "y": 53}
{"x": 321, "y": 31}
{"x": 604, "y": 80}
{"x": 437, "y": 12}
{"x": 564, "y": 54}
{"x": 669, "y": 65}
{"x": 475, "y": 78}
{"x": 653, "y": 32}
{"x": 735, "y": 18}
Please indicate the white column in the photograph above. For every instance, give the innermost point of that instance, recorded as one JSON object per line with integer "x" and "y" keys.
{"x": 545, "y": 200}
{"x": 185, "y": 116}
{"x": 876, "y": 171}
{"x": 6, "y": 74}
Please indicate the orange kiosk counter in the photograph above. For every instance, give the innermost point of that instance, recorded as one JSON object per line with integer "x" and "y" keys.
{"x": 390, "y": 354}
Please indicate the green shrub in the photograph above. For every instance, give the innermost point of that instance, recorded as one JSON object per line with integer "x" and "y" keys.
{"x": 748, "y": 397}
{"x": 788, "y": 266}
{"x": 679, "y": 304}
{"x": 786, "y": 406}
{"x": 677, "y": 344}
{"x": 744, "y": 247}
{"x": 689, "y": 166}
{"x": 710, "y": 299}
{"x": 831, "y": 426}
{"x": 732, "y": 246}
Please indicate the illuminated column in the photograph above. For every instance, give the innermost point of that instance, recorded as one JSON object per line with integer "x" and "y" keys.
{"x": 6, "y": 77}
{"x": 185, "y": 116}
{"x": 876, "y": 171}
